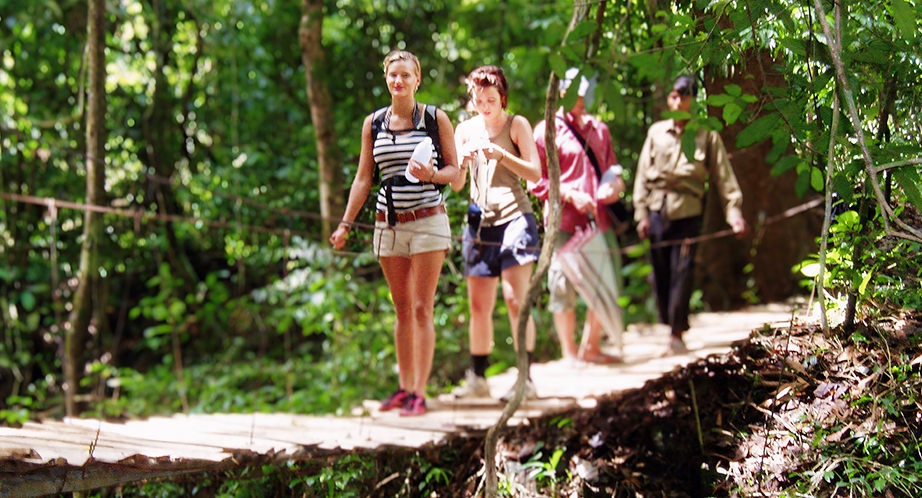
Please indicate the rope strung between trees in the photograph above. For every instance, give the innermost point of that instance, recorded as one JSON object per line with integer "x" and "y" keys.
{"x": 142, "y": 215}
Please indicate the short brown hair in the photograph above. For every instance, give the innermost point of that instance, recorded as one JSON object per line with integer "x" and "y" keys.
{"x": 487, "y": 76}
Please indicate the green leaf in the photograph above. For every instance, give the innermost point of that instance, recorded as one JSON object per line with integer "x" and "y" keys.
{"x": 648, "y": 66}
{"x": 734, "y": 90}
{"x": 843, "y": 186}
{"x": 558, "y": 65}
{"x": 156, "y": 330}
{"x": 581, "y": 30}
{"x": 795, "y": 45}
{"x": 816, "y": 179}
{"x": 905, "y": 18}
{"x": 758, "y": 130}
{"x": 614, "y": 99}
{"x": 688, "y": 143}
{"x": 677, "y": 115}
{"x": 864, "y": 283}
{"x": 731, "y": 113}
{"x": 781, "y": 141}
{"x": 28, "y": 300}
{"x": 719, "y": 100}
{"x": 810, "y": 270}
{"x": 786, "y": 163}
{"x": 846, "y": 222}
{"x": 908, "y": 179}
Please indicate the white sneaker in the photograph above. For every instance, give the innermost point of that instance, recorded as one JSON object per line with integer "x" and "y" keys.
{"x": 530, "y": 392}
{"x": 474, "y": 386}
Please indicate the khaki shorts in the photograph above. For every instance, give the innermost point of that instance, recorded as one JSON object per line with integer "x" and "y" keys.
{"x": 413, "y": 237}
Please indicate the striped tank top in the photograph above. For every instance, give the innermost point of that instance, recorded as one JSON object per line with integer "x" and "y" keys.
{"x": 392, "y": 152}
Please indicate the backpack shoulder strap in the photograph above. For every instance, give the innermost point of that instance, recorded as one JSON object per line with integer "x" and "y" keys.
{"x": 586, "y": 147}
{"x": 432, "y": 129}
{"x": 376, "y": 121}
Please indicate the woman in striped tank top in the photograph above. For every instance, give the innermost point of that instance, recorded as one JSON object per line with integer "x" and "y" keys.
{"x": 412, "y": 235}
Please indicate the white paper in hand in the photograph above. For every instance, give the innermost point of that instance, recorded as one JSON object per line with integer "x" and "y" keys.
{"x": 422, "y": 153}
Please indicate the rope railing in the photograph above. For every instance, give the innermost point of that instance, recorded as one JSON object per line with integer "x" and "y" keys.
{"x": 142, "y": 215}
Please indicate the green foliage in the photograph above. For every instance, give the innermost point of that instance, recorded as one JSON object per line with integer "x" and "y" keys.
{"x": 873, "y": 458}
{"x": 883, "y": 272}
{"x": 544, "y": 472}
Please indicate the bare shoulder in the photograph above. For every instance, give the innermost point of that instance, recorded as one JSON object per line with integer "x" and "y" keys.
{"x": 521, "y": 123}
{"x": 442, "y": 117}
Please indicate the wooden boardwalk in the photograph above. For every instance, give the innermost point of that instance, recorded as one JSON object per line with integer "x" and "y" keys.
{"x": 81, "y": 454}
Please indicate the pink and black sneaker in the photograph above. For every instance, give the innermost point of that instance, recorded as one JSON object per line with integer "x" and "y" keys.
{"x": 415, "y": 405}
{"x": 396, "y": 400}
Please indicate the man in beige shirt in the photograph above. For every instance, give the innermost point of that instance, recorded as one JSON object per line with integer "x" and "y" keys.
{"x": 669, "y": 194}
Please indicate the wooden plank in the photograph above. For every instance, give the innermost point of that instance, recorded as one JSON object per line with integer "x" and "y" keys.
{"x": 92, "y": 453}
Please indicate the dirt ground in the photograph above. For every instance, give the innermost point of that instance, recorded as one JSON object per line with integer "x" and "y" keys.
{"x": 739, "y": 424}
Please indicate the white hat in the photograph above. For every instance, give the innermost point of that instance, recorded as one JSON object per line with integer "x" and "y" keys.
{"x": 583, "y": 82}
{"x": 586, "y": 86}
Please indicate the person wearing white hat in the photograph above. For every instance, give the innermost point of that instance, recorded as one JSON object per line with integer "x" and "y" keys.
{"x": 585, "y": 153}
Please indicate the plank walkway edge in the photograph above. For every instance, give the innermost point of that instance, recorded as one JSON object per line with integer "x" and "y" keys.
{"x": 54, "y": 457}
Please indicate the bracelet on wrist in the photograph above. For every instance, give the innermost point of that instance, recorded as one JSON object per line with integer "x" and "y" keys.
{"x": 345, "y": 224}
{"x": 434, "y": 171}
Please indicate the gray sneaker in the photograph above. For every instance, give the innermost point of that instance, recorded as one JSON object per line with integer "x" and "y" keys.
{"x": 530, "y": 392}
{"x": 473, "y": 386}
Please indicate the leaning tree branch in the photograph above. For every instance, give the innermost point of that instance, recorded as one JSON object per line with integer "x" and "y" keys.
{"x": 835, "y": 52}
{"x": 491, "y": 487}
{"x": 898, "y": 164}
{"x": 827, "y": 215}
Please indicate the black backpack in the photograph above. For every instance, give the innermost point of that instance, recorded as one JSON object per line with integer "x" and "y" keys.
{"x": 432, "y": 129}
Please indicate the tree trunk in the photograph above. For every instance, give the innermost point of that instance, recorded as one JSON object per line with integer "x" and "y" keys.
{"x": 329, "y": 158}
{"x": 165, "y": 141}
{"x": 773, "y": 250}
{"x": 77, "y": 328}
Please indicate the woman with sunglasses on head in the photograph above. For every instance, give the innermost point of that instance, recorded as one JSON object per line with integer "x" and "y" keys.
{"x": 501, "y": 239}
{"x": 412, "y": 235}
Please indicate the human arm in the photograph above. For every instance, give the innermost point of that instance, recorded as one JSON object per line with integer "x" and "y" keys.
{"x": 528, "y": 166}
{"x": 727, "y": 185}
{"x": 641, "y": 213}
{"x": 466, "y": 158}
{"x": 611, "y": 185}
{"x": 540, "y": 188}
{"x": 450, "y": 171}
{"x": 361, "y": 186}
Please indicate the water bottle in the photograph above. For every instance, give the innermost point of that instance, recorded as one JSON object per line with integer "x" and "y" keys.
{"x": 422, "y": 153}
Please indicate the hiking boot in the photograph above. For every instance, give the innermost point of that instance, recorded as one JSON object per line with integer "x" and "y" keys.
{"x": 474, "y": 386}
{"x": 396, "y": 400}
{"x": 530, "y": 392}
{"x": 415, "y": 405}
